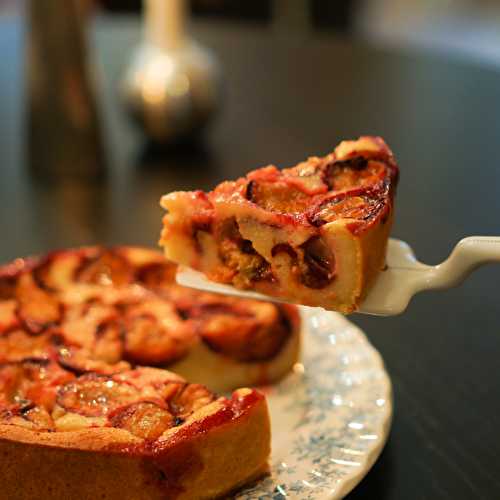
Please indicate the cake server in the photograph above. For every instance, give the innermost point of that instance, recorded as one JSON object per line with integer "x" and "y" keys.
{"x": 403, "y": 277}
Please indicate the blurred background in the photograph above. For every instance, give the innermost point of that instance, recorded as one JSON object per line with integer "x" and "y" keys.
{"x": 258, "y": 70}
{"x": 104, "y": 108}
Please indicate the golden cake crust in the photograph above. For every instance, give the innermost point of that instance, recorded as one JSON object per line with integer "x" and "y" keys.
{"x": 200, "y": 459}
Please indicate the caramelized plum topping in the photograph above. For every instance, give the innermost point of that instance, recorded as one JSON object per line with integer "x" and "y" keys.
{"x": 82, "y": 322}
{"x": 32, "y": 379}
{"x": 353, "y": 172}
{"x": 64, "y": 330}
{"x": 10, "y": 380}
{"x": 17, "y": 345}
{"x": 7, "y": 288}
{"x": 157, "y": 274}
{"x": 308, "y": 177}
{"x": 108, "y": 343}
{"x": 253, "y": 333}
{"x": 95, "y": 395}
{"x": 145, "y": 419}
{"x": 80, "y": 361}
{"x": 148, "y": 342}
{"x": 190, "y": 398}
{"x": 27, "y": 415}
{"x": 57, "y": 271}
{"x": 152, "y": 377}
{"x": 39, "y": 417}
{"x": 37, "y": 308}
{"x": 277, "y": 196}
{"x": 358, "y": 205}
{"x": 8, "y": 316}
{"x": 155, "y": 334}
{"x": 108, "y": 268}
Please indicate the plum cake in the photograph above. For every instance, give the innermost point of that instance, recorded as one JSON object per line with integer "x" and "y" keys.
{"x": 314, "y": 234}
{"x": 86, "y": 408}
{"x": 143, "y": 433}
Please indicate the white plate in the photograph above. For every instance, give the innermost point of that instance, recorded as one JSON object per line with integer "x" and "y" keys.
{"x": 330, "y": 418}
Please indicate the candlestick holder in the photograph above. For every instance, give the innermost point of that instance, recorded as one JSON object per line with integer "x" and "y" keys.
{"x": 172, "y": 85}
{"x": 62, "y": 117}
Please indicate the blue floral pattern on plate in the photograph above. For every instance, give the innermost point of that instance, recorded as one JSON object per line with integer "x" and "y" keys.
{"x": 330, "y": 417}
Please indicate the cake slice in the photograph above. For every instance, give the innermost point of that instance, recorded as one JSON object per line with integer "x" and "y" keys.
{"x": 315, "y": 234}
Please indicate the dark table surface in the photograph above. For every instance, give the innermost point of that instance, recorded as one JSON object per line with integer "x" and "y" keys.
{"x": 288, "y": 97}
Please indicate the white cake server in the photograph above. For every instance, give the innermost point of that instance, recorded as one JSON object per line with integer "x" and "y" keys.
{"x": 398, "y": 283}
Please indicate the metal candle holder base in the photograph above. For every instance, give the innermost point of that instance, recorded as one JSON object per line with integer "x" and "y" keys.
{"x": 172, "y": 93}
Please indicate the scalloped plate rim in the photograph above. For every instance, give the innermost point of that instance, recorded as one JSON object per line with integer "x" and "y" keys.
{"x": 382, "y": 416}
{"x": 371, "y": 458}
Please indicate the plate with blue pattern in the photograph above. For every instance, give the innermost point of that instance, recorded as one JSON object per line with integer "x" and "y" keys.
{"x": 330, "y": 417}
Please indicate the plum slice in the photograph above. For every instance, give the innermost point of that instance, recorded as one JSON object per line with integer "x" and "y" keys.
{"x": 277, "y": 196}
{"x": 39, "y": 417}
{"x": 82, "y": 322}
{"x": 359, "y": 204}
{"x": 95, "y": 395}
{"x": 156, "y": 274}
{"x": 249, "y": 331}
{"x": 155, "y": 333}
{"x": 144, "y": 419}
{"x": 188, "y": 399}
{"x": 57, "y": 271}
{"x": 18, "y": 344}
{"x": 353, "y": 172}
{"x": 108, "y": 342}
{"x": 8, "y": 316}
{"x": 7, "y": 287}
{"x": 107, "y": 268}
{"x": 37, "y": 308}
{"x": 27, "y": 415}
{"x": 32, "y": 380}
{"x": 80, "y": 361}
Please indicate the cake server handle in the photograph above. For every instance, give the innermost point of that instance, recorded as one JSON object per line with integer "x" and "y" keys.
{"x": 469, "y": 254}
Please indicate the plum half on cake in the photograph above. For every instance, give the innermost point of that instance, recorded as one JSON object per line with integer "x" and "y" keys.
{"x": 77, "y": 328}
{"x": 315, "y": 234}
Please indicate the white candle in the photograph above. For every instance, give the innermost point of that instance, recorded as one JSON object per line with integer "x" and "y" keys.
{"x": 164, "y": 22}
